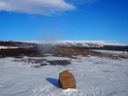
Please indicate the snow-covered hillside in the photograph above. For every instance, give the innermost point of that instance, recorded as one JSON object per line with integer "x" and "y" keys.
{"x": 94, "y": 76}
{"x": 79, "y": 43}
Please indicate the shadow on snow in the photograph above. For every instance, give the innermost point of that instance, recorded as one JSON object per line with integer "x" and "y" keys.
{"x": 53, "y": 81}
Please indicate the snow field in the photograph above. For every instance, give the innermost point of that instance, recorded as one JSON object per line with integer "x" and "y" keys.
{"x": 94, "y": 77}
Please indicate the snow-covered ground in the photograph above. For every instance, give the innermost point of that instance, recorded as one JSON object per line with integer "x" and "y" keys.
{"x": 121, "y": 53}
{"x": 94, "y": 77}
{"x": 7, "y": 47}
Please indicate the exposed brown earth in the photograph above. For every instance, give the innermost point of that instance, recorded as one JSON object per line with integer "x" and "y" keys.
{"x": 36, "y": 51}
{"x": 58, "y": 51}
{"x": 17, "y": 52}
{"x": 16, "y": 43}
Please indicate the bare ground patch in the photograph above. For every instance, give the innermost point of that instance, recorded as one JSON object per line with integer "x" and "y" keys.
{"x": 38, "y": 50}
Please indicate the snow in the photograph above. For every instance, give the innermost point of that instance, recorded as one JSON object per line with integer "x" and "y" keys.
{"x": 6, "y": 47}
{"x": 69, "y": 43}
{"x": 94, "y": 77}
{"x": 115, "y": 53}
{"x": 111, "y": 52}
{"x": 80, "y": 43}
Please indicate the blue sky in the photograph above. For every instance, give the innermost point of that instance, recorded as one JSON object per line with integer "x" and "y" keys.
{"x": 64, "y": 20}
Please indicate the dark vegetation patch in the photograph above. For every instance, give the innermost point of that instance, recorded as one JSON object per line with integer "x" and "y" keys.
{"x": 18, "y": 52}
{"x": 43, "y": 62}
{"x": 112, "y": 47}
{"x": 16, "y": 44}
{"x": 59, "y": 62}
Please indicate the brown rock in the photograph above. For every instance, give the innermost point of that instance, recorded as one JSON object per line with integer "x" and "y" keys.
{"x": 66, "y": 80}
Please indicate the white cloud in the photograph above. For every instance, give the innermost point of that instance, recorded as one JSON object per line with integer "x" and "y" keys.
{"x": 43, "y": 7}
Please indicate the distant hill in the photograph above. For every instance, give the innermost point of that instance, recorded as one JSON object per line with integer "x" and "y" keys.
{"x": 98, "y": 45}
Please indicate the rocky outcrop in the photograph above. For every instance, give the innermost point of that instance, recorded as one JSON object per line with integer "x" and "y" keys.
{"x": 66, "y": 80}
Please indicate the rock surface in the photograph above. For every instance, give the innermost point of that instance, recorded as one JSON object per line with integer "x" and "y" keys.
{"x": 66, "y": 80}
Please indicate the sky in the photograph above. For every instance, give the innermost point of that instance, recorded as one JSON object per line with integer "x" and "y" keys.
{"x": 64, "y": 20}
